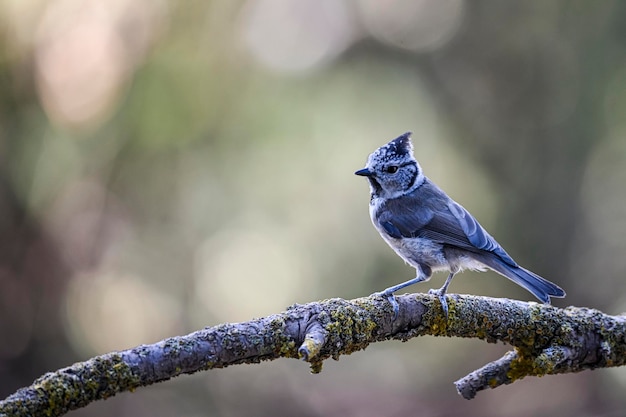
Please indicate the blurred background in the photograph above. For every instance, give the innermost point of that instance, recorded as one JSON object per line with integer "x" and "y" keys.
{"x": 168, "y": 165}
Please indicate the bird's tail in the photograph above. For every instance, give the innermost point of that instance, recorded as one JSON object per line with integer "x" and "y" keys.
{"x": 538, "y": 286}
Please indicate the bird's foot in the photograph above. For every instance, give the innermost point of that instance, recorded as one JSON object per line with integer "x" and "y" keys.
{"x": 441, "y": 294}
{"x": 392, "y": 300}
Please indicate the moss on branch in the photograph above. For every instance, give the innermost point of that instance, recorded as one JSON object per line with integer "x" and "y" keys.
{"x": 546, "y": 340}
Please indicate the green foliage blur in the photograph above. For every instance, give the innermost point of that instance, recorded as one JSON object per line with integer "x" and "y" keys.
{"x": 168, "y": 165}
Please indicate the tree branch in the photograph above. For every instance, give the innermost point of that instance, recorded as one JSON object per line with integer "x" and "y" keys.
{"x": 546, "y": 340}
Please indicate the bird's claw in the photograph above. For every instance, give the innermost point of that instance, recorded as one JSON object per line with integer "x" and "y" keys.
{"x": 442, "y": 299}
{"x": 392, "y": 300}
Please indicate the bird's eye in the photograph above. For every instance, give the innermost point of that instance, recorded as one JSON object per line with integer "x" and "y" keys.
{"x": 392, "y": 169}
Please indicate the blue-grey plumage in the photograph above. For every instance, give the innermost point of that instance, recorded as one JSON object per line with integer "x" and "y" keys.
{"x": 429, "y": 230}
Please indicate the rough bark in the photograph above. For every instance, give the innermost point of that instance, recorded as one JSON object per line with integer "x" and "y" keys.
{"x": 546, "y": 340}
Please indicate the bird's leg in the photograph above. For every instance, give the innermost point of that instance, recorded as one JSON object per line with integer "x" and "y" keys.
{"x": 388, "y": 293}
{"x": 441, "y": 293}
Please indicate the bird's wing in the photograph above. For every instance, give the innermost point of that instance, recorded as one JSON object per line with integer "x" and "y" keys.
{"x": 440, "y": 220}
{"x": 458, "y": 227}
{"x": 401, "y": 218}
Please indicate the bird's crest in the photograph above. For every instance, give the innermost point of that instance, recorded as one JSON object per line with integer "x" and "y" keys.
{"x": 399, "y": 147}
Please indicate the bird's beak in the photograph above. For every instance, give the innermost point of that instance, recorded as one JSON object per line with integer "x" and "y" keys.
{"x": 364, "y": 172}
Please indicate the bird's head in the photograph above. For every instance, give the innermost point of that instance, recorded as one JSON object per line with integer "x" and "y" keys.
{"x": 392, "y": 170}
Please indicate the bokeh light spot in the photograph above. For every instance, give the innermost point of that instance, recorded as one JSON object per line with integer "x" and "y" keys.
{"x": 108, "y": 311}
{"x": 291, "y": 36}
{"x": 243, "y": 274}
{"x": 421, "y": 25}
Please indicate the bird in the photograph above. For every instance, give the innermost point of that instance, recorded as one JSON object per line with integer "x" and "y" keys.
{"x": 431, "y": 231}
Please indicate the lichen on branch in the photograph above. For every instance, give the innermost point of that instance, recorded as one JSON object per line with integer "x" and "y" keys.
{"x": 546, "y": 340}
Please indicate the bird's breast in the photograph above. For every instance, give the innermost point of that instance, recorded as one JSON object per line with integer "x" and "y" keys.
{"x": 422, "y": 251}
{"x": 418, "y": 251}
{"x": 375, "y": 205}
